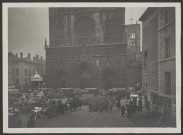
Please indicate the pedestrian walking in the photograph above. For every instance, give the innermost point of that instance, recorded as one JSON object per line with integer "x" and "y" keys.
{"x": 122, "y": 110}
{"x": 110, "y": 106}
{"x": 128, "y": 96}
{"x": 68, "y": 107}
{"x": 129, "y": 110}
{"x": 118, "y": 104}
{"x": 18, "y": 122}
{"x": 31, "y": 122}
{"x": 138, "y": 101}
{"x": 100, "y": 106}
{"x": 134, "y": 108}
{"x": 65, "y": 108}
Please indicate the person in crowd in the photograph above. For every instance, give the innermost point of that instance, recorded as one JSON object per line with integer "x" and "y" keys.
{"x": 18, "y": 122}
{"x": 65, "y": 108}
{"x": 129, "y": 111}
{"x": 80, "y": 104}
{"x": 62, "y": 108}
{"x": 100, "y": 106}
{"x": 118, "y": 104}
{"x": 53, "y": 101}
{"x": 74, "y": 105}
{"x": 130, "y": 102}
{"x": 134, "y": 108}
{"x": 128, "y": 96}
{"x": 122, "y": 110}
{"x": 137, "y": 103}
{"x": 12, "y": 121}
{"x": 110, "y": 106}
{"x": 68, "y": 107}
{"x": 31, "y": 122}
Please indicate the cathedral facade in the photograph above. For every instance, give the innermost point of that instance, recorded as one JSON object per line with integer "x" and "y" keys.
{"x": 88, "y": 48}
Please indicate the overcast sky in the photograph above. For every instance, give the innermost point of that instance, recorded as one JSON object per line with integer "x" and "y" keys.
{"x": 28, "y": 27}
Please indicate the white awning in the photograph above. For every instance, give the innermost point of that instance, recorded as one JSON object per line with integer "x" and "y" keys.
{"x": 36, "y": 79}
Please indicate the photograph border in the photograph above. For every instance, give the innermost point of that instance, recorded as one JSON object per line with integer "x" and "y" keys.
{"x": 5, "y": 7}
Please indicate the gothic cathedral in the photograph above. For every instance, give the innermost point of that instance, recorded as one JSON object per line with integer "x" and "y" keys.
{"x": 87, "y": 49}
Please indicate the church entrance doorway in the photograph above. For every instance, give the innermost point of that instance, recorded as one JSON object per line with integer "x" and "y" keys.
{"x": 84, "y": 75}
{"x": 108, "y": 84}
{"x": 84, "y": 83}
{"x": 107, "y": 78}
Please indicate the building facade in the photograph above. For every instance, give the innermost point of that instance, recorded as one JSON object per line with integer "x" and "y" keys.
{"x": 88, "y": 48}
{"x": 158, "y": 66}
{"x": 21, "y": 69}
{"x": 166, "y": 59}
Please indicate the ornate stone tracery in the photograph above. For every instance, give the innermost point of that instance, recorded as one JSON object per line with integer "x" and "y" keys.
{"x": 84, "y": 29}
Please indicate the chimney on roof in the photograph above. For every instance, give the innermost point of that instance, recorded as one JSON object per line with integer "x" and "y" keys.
{"x": 37, "y": 56}
{"x": 34, "y": 59}
{"x": 16, "y": 55}
{"x": 41, "y": 58}
{"x": 45, "y": 42}
{"x": 29, "y": 56}
{"x": 21, "y": 54}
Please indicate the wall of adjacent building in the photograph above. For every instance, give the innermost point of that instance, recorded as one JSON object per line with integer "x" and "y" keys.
{"x": 166, "y": 64}
{"x": 155, "y": 32}
{"x": 167, "y": 30}
{"x": 17, "y": 75}
{"x": 150, "y": 44}
{"x": 150, "y": 65}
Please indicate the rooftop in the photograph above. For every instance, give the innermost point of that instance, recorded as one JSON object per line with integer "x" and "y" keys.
{"x": 147, "y": 13}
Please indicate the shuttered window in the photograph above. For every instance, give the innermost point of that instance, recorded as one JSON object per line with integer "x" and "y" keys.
{"x": 168, "y": 83}
{"x": 167, "y": 47}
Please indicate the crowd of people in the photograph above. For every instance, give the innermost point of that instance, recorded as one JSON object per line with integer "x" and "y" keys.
{"x": 129, "y": 108}
{"x": 49, "y": 108}
{"x": 86, "y": 98}
{"x": 98, "y": 103}
{"x": 14, "y": 119}
{"x": 101, "y": 103}
{"x": 55, "y": 106}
